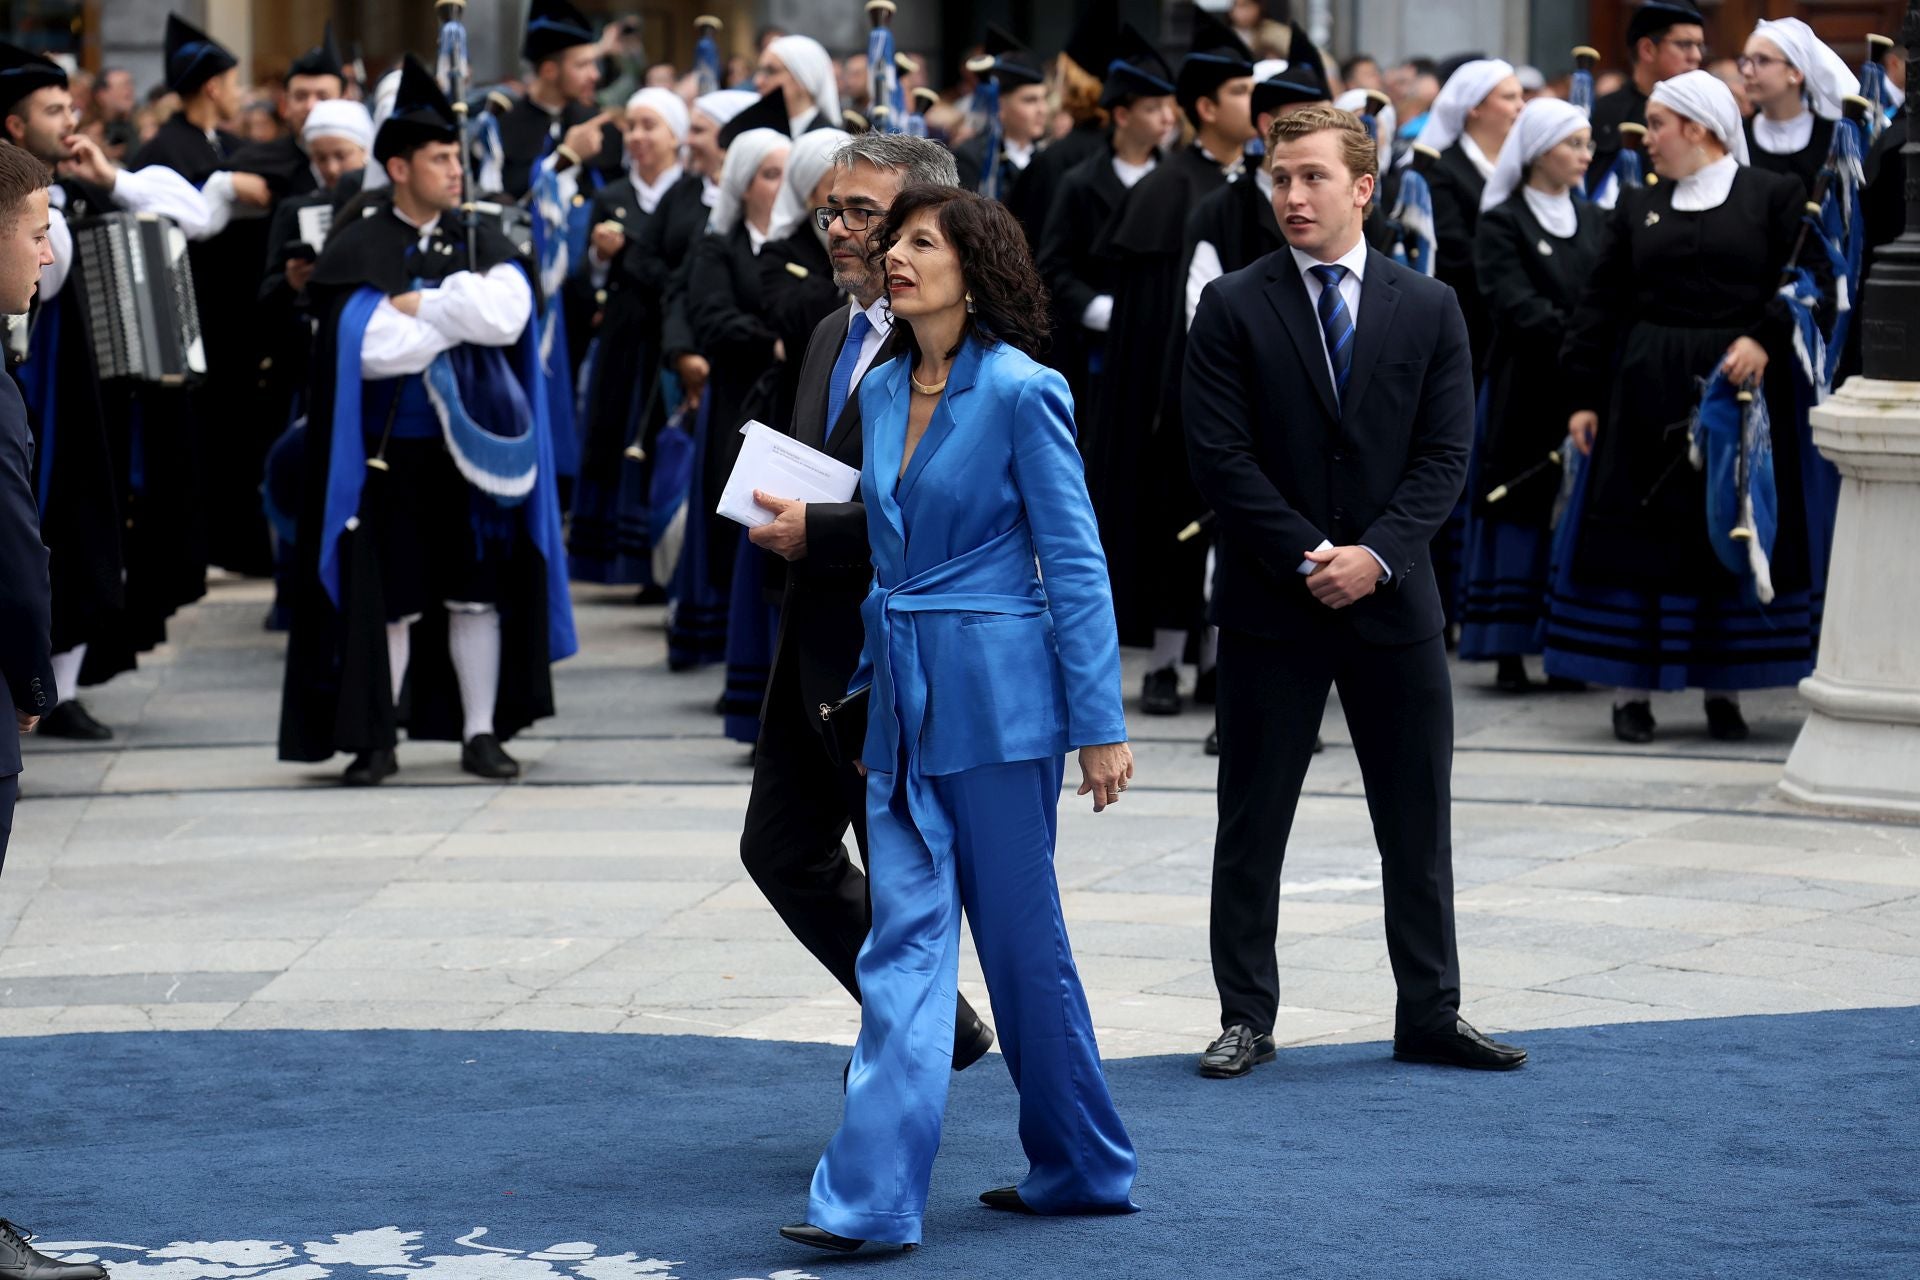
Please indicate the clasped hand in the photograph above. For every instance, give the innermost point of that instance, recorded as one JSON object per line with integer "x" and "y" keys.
{"x": 1346, "y": 575}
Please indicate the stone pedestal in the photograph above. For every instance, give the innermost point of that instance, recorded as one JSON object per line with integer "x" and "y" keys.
{"x": 1860, "y": 747}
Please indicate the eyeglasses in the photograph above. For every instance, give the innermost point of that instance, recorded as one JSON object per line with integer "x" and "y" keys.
{"x": 1690, "y": 46}
{"x": 1751, "y": 62}
{"x": 1583, "y": 145}
{"x": 856, "y": 219}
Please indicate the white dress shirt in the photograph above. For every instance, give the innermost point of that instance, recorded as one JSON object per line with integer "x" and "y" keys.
{"x": 1705, "y": 188}
{"x": 879, "y": 329}
{"x": 1355, "y": 261}
{"x": 488, "y": 310}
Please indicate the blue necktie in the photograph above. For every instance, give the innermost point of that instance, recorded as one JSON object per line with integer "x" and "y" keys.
{"x": 1337, "y": 325}
{"x": 842, "y": 383}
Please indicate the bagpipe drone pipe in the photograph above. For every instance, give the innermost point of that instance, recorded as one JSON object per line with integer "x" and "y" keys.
{"x": 1628, "y": 168}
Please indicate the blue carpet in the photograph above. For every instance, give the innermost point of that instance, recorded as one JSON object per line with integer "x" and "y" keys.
{"x": 1747, "y": 1146}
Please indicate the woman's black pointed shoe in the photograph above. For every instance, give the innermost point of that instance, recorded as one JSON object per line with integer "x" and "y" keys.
{"x": 820, "y": 1238}
{"x": 1006, "y": 1199}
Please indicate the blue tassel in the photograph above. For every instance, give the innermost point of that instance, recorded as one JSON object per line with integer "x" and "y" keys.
{"x": 1580, "y": 92}
{"x": 706, "y": 62}
{"x": 986, "y": 99}
{"x": 1414, "y": 213}
{"x": 887, "y": 110}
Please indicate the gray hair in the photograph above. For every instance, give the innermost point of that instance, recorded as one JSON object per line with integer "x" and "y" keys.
{"x": 922, "y": 160}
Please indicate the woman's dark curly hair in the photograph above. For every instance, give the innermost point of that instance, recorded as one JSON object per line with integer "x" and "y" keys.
{"x": 1010, "y": 302}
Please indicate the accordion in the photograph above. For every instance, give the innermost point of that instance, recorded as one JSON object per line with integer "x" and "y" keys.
{"x": 132, "y": 270}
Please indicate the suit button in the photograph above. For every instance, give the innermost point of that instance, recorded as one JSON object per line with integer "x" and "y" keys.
{"x": 1339, "y": 457}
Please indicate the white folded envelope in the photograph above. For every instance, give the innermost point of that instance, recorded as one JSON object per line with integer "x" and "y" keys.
{"x": 782, "y": 466}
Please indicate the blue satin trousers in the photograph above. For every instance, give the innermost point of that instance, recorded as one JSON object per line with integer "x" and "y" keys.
{"x": 872, "y": 1181}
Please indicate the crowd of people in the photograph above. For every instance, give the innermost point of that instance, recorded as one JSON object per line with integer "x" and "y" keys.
{"x": 1293, "y": 373}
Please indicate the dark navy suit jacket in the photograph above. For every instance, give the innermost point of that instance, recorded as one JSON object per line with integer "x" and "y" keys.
{"x": 26, "y": 611}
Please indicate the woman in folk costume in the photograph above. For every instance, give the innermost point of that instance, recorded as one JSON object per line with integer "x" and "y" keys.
{"x": 623, "y": 287}
{"x": 1687, "y": 285}
{"x": 991, "y": 650}
{"x": 1798, "y": 87}
{"x": 725, "y": 312}
{"x": 1534, "y": 253}
{"x": 802, "y": 70}
{"x": 1467, "y": 126}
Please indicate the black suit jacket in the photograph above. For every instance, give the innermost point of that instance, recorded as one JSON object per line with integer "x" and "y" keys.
{"x": 1284, "y": 468}
{"x": 820, "y": 630}
{"x": 26, "y": 608}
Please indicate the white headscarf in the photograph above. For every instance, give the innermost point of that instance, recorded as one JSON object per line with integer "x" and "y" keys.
{"x": 807, "y": 163}
{"x": 385, "y": 91}
{"x": 1829, "y": 79}
{"x": 744, "y": 158}
{"x": 1544, "y": 124}
{"x": 668, "y": 105}
{"x": 1702, "y": 98}
{"x": 722, "y": 105}
{"x": 1386, "y": 124}
{"x": 1464, "y": 90}
{"x": 339, "y": 118}
{"x": 810, "y": 64}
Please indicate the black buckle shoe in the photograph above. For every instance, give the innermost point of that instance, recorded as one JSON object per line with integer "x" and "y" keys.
{"x": 1461, "y": 1047}
{"x": 1510, "y": 676}
{"x": 1633, "y": 722}
{"x": 74, "y": 722}
{"x": 1160, "y": 692}
{"x": 1724, "y": 721}
{"x": 972, "y": 1037}
{"x": 371, "y": 768}
{"x": 19, "y": 1260}
{"x": 1005, "y": 1199}
{"x": 483, "y": 756}
{"x": 1238, "y": 1050}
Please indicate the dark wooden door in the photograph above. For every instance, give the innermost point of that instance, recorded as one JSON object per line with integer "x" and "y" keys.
{"x": 1844, "y": 24}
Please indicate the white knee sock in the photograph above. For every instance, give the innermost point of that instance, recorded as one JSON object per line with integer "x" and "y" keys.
{"x": 1209, "y": 648}
{"x": 1621, "y": 697}
{"x": 473, "y": 640}
{"x": 66, "y": 673}
{"x": 399, "y": 653}
{"x": 1168, "y": 648}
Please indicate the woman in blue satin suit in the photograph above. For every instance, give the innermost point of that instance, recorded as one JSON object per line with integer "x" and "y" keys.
{"x": 990, "y": 652}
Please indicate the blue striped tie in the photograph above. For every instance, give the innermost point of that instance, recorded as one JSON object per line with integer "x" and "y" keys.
{"x": 841, "y": 385}
{"x": 1337, "y": 325}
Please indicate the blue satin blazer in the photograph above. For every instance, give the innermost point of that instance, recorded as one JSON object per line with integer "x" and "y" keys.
{"x": 990, "y": 633}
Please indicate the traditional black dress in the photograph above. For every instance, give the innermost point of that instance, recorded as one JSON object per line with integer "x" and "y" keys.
{"x": 1804, "y": 164}
{"x": 1639, "y": 600}
{"x": 228, "y": 405}
{"x": 378, "y": 545}
{"x": 1076, "y": 271}
{"x": 1137, "y": 469}
{"x": 1531, "y": 281}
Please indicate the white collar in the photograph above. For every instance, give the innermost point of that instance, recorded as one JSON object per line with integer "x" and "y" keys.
{"x": 755, "y": 237}
{"x": 1132, "y": 173}
{"x": 424, "y": 228}
{"x": 649, "y": 194}
{"x": 1471, "y": 150}
{"x": 879, "y": 315}
{"x": 1021, "y": 156}
{"x": 1783, "y": 137}
{"x": 1264, "y": 180}
{"x": 1354, "y": 260}
{"x": 797, "y": 125}
{"x": 709, "y": 192}
{"x": 1706, "y": 188}
{"x": 1554, "y": 213}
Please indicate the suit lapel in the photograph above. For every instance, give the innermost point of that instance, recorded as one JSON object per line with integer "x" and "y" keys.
{"x": 809, "y": 427}
{"x": 1378, "y": 300}
{"x": 966, "y": 367}
{"x": 1288, "y": 297}
{"x": 886, "y": 440}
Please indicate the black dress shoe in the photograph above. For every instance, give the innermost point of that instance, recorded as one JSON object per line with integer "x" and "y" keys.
{"x": 972, "y": 1037}
{"x": 371, "y": 768}
{"x": 1005, "y": 1199}
{"x": 19, "y": 1260}
{"x": 1206, "y": 687}
{"x": 1212, "y": 744}
{"x": 1461, "y": 1047}
{"x": 650, "y": 595}
{"x": 1510, "y": 676}
{"x": 72, "y": 721}
{"x": 1238, "y": 1050}
{"x": 484, "y": 757}
{"x": 1633, "y": 722}
{"x": 820, "y": 1238}
{"x": 1160, "y": 692}
{"x": 1724, "y": 721}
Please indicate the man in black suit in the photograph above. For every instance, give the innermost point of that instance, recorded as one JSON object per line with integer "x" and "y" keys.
{"x": 26, "y": 609}
{"x": 806, "y": 792}
{"x": 1330, "y": 456}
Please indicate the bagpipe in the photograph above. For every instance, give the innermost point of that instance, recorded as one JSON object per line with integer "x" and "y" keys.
{"x": 1413, "y": 212}
{"x": 1629, "y": 165}
{"x": 886, "y": 100}
{"x": 1833, "y": 220}
{"x": 707, "y": 71}
{"x": 986, "y": 101}
{"x": 1875, "y": 88}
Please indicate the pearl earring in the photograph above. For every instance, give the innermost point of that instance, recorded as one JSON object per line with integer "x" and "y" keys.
{"x": 971, "y": 309}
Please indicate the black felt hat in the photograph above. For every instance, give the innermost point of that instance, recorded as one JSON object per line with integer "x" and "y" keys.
{"x": 768, "y": 113}
{"x": 193, "y": 57}
{"x": 22, "y": 73}
{"x": 1654, "y": 18}
{"x": 421, "y": 114}
{"x": 1216, "y": 56}
{"x": 1095, "y": 39}
{"x": 1136, "y": 70}
{"x": 1303, "y": 81}
{"x": 1012, "y": 61}
{"x": 553, "y": 27}
{"x": 321, "y": 60}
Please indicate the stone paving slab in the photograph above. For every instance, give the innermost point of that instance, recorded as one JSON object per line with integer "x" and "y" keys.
{"x": 181, "y": 877}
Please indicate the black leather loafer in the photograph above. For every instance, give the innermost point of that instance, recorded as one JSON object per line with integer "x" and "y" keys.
{"x": 1633, "y": 722}
{"x": 1005, "y": 1199}
{"x": 371, "y": 768}
{"x": 19, "y": 1260}
{"x": 72, "y": 721}
{"x": 1160, "y": 692}
{"x": 1724, "y": 721}
{"x": 1238, "y": 1050}
{"x": 820, "y": 1238}
{"x": 484, "y": 757}
{"x": 1461, "y": 1047}
{"x": 971, "y": 1040}
{"x": 1511, "y": 675}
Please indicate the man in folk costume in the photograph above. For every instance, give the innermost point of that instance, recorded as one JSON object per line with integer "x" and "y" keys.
{"x": 1665, "y": 38}
{"x": 82, "y": 481}
{"x": 1078, "y": 86}
{"x": 557, "y": 122}
{"x": 1020, "y": 126}
{"x": 433, "y": 588}
{"x": 226, "y": 257}
{"x": 314, "y": 77}
{"x": 1136, "y": 464}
